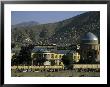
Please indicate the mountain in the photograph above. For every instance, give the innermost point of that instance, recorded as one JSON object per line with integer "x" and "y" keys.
{"x": 66, "y": 32}
{"x": 25, "y": 24}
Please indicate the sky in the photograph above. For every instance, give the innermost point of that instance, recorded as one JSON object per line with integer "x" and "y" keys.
{"x": 42, "y": 17}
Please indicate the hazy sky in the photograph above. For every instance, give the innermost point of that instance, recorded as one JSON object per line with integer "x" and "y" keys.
{"x": 41, "y": 16}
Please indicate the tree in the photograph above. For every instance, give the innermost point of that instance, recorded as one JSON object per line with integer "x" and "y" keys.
{"x": 39, "y": 58}
{"x": 67, "y": 61}
{"x": 14, "y": 60}
{"x": 12, "y": 45}
{"x": 24, "y": 56}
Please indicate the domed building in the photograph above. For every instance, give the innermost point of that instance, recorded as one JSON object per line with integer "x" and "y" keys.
{"x": 90, "y": 48}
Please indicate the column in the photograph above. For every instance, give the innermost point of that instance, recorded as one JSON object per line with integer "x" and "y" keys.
{"x": 57, "y": 61}
{"x": 32, "y": 62}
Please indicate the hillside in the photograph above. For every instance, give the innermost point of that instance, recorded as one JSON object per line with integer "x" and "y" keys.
{"x": 25, "y": 24}
{"x": 65, "y": 32}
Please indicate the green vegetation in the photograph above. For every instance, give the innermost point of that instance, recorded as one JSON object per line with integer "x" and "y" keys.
{"x": 39, "y": 59}
{"x": 67, "y": 61}
{"x": 23, "y": 57}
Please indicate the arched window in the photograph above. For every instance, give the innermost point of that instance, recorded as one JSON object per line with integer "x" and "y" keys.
{"x": 52, "y": 56}
{"x": 55, "y": 56}
{"x": 60, "y": 56}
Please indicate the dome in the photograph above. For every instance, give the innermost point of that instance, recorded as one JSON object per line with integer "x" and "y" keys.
{"x": 89, "y": 36}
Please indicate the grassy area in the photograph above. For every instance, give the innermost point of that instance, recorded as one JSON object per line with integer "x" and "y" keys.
{"x": 67, "y": 73}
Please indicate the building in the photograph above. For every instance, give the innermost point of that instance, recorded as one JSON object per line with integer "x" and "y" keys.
{"x": 76, "y": 57}
{"x": 89, "y": 48}
{"x": 50, "y": 57}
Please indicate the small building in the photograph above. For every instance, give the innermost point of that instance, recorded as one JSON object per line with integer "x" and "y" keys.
{"x": 76, "y": 57}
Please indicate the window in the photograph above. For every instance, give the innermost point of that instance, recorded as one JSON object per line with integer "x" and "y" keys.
{"x": 52, "y": 56}
{"x": 60, "y": 56}
{"x": 56, "y": 56}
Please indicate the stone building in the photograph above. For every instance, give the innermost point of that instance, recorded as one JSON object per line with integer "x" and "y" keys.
{"x": 89, "y": 48}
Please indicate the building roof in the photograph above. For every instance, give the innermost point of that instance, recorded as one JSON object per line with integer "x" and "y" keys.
{"x": 40, "y": 49}
{"x": 45, "y": 50}
{"x": 89, "y": 36}
{"x": 63, "y": 51}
